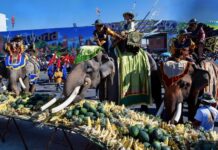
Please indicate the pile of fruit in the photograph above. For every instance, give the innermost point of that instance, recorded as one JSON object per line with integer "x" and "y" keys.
{"x": 116, "y": 127}
{"x": 23, "y": 105}
{"x": 120, "y": 128}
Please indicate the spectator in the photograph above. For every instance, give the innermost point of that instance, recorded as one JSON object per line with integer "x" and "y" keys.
{"x": 206, "y": 114}
{"x": 50, "y": 72}
{"x": 58, "y": 79}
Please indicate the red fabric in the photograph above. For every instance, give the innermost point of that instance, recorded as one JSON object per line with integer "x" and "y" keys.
{"x": 52, "y": 60}
{"x": 68, "y": 59}
{"x": 59, "y": 63}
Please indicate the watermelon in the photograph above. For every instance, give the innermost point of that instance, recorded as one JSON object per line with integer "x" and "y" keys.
{"x": 69, "y": 114}
{"x": 156, "y": 145}
{"x": 134, "y": 131}
{"x": 165, "y": 148}
{"x": 143, "y": 136}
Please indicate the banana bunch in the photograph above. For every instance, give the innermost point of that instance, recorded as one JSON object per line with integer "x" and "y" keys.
{"x": 180, "y": 129}
{"x": 167, "y": 127}
{"x": 3, "y": 107}
{"x": 213, "y": 136}
{"x": 41, "y": 117}
{"x": 24, "y": 111}
{"x": 57, "y": 118}
{"x": 129, "y": 143}
{"x": 173, "y": 145}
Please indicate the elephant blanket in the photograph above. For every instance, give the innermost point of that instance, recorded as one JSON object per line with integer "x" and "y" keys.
{"x": 19, "y": 64}
{"x": 173, "y": 71}
{"x": 134, "y": 80}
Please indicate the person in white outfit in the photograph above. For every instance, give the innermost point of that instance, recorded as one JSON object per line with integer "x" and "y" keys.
{"x": 129, "y": 24}
{"x": 207, "y": 114}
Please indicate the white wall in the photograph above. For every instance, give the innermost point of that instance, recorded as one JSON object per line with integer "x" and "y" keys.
{"x": 3, "y": 25}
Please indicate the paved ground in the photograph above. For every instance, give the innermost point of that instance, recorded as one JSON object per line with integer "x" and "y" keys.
{"x": 37, "y": 137}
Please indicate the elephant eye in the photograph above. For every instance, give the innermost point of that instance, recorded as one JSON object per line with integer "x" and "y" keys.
{"x": 95, "y": 59}
{"x": 88, "y": 68}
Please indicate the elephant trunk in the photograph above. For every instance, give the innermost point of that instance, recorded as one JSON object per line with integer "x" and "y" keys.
{"x": 75, "y": 78}
{"x": 172, "y": 100}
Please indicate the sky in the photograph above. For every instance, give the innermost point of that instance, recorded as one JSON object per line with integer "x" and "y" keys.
{"x": 39, "y": 14}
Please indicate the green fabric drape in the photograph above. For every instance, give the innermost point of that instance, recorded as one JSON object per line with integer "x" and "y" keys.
{"x": 87, "y": 53}
{"x": 134, "y": 70}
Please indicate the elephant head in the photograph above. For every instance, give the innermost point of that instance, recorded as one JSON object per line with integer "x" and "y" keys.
{"x": 85, "y": 75}
{"x": 184, "y": 87}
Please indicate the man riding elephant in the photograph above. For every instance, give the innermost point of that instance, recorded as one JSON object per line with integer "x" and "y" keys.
{"x": 182, "y": 47}
{"x": 134, "y": 69}
{"x": 197, "y": 36}
{"x": 101, "y": 35}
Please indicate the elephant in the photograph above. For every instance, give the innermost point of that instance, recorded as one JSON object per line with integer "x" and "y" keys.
{"x": 20, "y": 74}
{"x": 86, "y": 74}
{"x": 187, "y": 87}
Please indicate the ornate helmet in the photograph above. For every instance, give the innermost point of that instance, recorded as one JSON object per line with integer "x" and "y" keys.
{"x": 15, "y": 43}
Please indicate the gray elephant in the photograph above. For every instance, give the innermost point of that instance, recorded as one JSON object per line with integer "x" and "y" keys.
{"x": 18, "y": 66}
{"x": 22, "y": 74}
{"x": 88, "y": 73}
{"x": 186, "y": 87}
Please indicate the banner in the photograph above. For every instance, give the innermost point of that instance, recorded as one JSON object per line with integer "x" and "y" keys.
{"x": 50, "y": 40}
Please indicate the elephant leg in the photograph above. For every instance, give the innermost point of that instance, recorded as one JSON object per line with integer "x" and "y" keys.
{"x": 113, "y": 89}
{"x": 192, "y": 104}
{"x": 32, "y": 88}
{"x": 156, "y": 89}
{"x": 15, "y": 89}
{"x": 102, "y": 90}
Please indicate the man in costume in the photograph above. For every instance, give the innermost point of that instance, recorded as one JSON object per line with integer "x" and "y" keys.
{"x": 101, "y": 35}
{"x": 129, "y": 25}
{"x": 198, "y": 36}
{"x": 182, "y": 47}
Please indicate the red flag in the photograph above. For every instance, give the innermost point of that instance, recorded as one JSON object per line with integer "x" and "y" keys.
{"x": 12, "y": 21}
{"x": 53, "y": 59}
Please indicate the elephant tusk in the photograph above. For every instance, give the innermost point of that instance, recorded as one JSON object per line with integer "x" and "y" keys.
{"x": 51, "y": 102}
{"x": 21, "y": 83}
{"x": 68, "y": 100}
{"x": 178, "y": 112}
{"x": 160, "y": 110}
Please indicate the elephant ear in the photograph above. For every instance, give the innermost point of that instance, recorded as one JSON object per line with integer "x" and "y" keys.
{"x": 108, "y": 69}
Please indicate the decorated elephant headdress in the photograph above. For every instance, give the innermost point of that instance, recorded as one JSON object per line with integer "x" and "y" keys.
{"x": 87, "y": 53}
{"x": 16, "y": 45}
